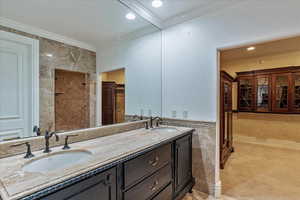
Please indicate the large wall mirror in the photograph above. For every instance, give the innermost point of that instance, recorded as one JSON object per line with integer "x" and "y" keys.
{"x": 71, "y": 64}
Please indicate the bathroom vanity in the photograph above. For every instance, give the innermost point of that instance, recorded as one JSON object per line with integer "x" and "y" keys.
{"x": 154, "y": 164}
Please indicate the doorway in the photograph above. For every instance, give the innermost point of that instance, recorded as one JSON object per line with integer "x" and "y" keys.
{"x": 113, "y": 97}
{"x": 71, "y": 100}
{"x": 19, "y": 80}
{"x": 265, "y": 91}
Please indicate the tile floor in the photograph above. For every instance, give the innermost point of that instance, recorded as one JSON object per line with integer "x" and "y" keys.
{"x": 259, "y": 172}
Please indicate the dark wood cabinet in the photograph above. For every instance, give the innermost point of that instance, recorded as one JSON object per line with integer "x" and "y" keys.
{"x": 99, "y": 187}
{"x": 183, "y": 162}
{"x": 226, "y": 135}
{"x": 272, "y": 90}
{"x": 296, "y": 92}
{"x": 163, "y": 172}
{"x": 166, "y": 194}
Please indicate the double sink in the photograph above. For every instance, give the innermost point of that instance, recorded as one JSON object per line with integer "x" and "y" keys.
{"x": 66, "y": 159}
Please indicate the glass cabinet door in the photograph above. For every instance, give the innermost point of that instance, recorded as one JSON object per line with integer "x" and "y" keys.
{"x": 262, "y": 93}
{"x": 246, "y": 93}
{"x": 296, "y": 92}
{"x": 281, "y": 92}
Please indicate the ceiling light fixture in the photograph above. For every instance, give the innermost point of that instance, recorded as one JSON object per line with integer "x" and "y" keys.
{"x": 130, "y": 16}
{"x": 49, "y": 55}
{"x": 157, "y": 3}
{"x": 251, "y": 48}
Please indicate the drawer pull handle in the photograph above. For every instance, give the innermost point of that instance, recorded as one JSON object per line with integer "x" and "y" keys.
{"x": 154, "y": 162}
{"x": 154, "y": 186}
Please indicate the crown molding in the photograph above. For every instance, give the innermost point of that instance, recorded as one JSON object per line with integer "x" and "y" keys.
{"x": 45, "y": 34}
{"x": 138, "y": 8}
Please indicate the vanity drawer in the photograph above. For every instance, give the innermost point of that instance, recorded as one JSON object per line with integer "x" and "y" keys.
{"x": 166, "y": 194}
{"x": 146, "y": 164}
{"x": 151, "y": 185}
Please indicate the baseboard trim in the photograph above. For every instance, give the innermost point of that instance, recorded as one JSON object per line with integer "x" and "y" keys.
{"x": 217, "y": 190}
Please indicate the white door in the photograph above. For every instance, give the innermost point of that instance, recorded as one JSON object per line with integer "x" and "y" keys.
{"x": 18, "y": 86}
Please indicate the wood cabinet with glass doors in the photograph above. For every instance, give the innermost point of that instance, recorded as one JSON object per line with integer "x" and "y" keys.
{"x": 272, "y": 90}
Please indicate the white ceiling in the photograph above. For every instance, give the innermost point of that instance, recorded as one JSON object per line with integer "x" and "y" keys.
{"x": 185, "y": 9}
{"x": 89, "y": 21}
{"x": 100, "y": 21}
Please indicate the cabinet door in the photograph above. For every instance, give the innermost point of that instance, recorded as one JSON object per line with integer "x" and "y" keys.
{"x": 281, "y": 96}
{"x": 99, "y": 187}
{"x": 263, "y": 93}
{"x": 183, "y": 162}
{"x": 246, "y": 93}
{"x": 295, "y": 92}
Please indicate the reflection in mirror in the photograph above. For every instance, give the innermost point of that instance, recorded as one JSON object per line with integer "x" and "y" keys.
{"x": 64, "y": 71}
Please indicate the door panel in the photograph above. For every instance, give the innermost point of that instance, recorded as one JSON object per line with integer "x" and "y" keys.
{"x": 296, "y": 92}
{"x": 226, "y": 135}
{"x": 15, "y": 90}
{"x": 183, "y": 162}
{"x": 281, "y": 96}
{"x": 98, "y": 187}
{"x": 108, "y": 103}
{"x": 120, "y": 104}
{"x": 263, "y": 93}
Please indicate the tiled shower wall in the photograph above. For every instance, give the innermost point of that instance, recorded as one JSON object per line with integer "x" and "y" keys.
{"x": 64, "y": 57}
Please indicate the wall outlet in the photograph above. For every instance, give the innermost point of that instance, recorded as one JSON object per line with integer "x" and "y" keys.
{"x": 174, "y": 114}
{"x": 185, "y": 114}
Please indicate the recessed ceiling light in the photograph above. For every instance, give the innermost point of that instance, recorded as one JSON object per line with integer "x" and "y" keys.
{"x": 157, "y": 3}
{"x": 49, "y": 55}
{"x": 130, "y": 16}
{"x": 251, "y": 48}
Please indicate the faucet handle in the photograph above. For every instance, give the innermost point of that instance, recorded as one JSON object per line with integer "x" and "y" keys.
{"x": 158, "y": 121}
{"x": 146, "y": 125}
{"x": 28, "y": 153}
{"x": 37, "y": 130}
{"x": 66, "y": 146}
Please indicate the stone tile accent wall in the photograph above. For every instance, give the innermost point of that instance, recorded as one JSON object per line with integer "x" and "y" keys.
{"x": 204, "y": 147}
{"x": 64, "y": 57}
{"x": 38, "y": 143}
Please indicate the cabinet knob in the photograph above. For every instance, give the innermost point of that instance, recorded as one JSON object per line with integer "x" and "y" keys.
{"x": 154, "y": 162}
{"x": 154, "y": 186}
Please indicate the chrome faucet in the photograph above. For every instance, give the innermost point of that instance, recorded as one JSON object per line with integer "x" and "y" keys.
{"x": 158, "y": 120}
{"x": 47, "y": 137}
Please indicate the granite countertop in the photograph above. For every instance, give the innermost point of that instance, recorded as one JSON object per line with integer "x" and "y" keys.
{"x": 15, "y": 183}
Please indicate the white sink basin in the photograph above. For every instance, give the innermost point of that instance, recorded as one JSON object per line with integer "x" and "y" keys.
{"x": 167, "y": 129}
{"x": 55, "y": 161}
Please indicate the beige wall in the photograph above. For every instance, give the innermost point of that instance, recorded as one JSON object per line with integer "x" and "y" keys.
{"x": 262, "y": 62}
{"x": 260, "y": 125}
{"x": 267, "y": 126}
{"x": 117, "y": 76}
